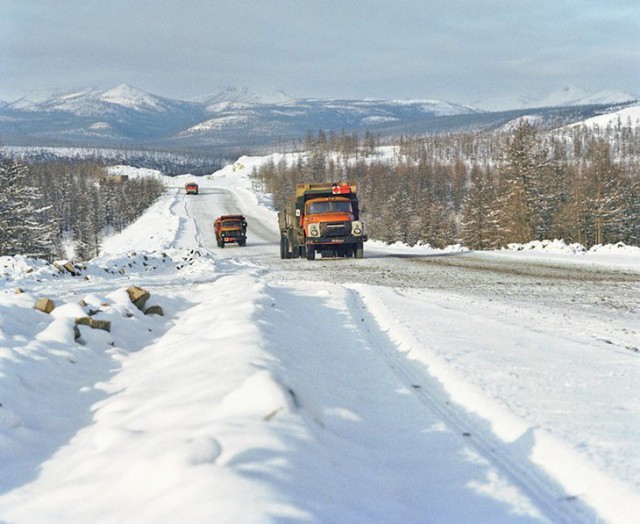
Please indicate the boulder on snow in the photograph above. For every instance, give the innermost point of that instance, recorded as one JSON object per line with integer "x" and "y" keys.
{"x": 138, "y": 296}
{"x": 84, "y": 321}
{"x": 45, "y": 305}
{"x": 68, "y": 267}
{"x": 94, "y": 323}
{"x": 154, "y": 310}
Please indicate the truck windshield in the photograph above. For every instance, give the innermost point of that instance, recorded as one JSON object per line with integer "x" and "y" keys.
{"x": 235, "y": 224}
{"x": 332, "y": 206}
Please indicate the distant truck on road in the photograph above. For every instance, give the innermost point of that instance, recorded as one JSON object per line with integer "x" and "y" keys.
{"x": 191, "y": 188}
{"x": 322, "y": 218}
{"x": 229, "y": 229}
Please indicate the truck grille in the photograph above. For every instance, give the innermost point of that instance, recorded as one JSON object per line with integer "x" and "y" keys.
{"x": 335, "y": 229}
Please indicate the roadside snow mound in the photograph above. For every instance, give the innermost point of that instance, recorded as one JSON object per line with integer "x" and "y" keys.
{"x": 18, "y": 266}
{"x": 619, "y": 248}
{"x": 400, "y": 247}
{"x": 561, "y": 247}
{"x": 549, "y": 246}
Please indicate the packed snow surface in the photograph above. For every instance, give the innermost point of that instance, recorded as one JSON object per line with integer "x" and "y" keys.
{"x": 414, "y": 385}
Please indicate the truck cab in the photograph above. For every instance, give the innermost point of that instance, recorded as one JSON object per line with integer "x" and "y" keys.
{"x": 329, "y": 217}
{"x": 229, "y": 229}
{"x": 191, "y": 188}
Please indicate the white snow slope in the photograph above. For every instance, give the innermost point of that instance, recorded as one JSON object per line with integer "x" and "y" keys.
{"x": 295, "y": 391}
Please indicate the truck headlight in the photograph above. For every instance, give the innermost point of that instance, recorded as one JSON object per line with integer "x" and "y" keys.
{"x": 314, "y": 230}
{"x": 357, "y": 228}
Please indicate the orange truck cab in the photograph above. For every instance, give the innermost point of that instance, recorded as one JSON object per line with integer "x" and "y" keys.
{"x": 229, "y": 229}
{"x": 191, "y": 188}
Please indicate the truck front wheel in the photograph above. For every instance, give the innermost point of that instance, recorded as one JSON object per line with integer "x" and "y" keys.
{"x": 359, "y": 251}
{"x": 311, "y": 253}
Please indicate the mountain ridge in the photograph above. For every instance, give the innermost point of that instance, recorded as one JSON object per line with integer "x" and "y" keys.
{"x": 239, "y": 117}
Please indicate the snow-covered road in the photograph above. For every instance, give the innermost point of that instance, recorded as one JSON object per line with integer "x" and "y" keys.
{"x": 410, "y": 386}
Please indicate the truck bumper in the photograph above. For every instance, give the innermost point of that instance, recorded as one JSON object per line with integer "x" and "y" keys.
{"x": 332, "y": 241}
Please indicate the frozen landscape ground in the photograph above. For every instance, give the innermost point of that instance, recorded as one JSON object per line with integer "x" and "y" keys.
{"x": 414, "y": 385}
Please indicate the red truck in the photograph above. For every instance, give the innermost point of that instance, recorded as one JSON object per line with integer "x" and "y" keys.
{"x": 191, "y": 188}
{"x": 229, "y": 229}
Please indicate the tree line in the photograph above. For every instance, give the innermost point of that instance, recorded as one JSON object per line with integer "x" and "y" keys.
{"x": 170, "y": 162}
{"x": 49, "y": 209}
{"x": 484, "y": 189}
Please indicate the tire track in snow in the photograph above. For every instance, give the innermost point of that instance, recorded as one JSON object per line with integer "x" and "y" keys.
{"x": 397, "y": 461}
{"x": 393, "y": 343}
{"x": 187, "y": 235}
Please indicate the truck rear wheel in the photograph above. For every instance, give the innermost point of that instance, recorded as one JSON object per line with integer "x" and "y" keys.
{"x": 283, "y": 247}
{"x": 287, "y": 247}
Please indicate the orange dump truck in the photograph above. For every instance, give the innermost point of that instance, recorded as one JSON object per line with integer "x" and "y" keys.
{"x": 322, "y": 218}
{"x": 229, "y": 229}
{"x": 191, "y": 188}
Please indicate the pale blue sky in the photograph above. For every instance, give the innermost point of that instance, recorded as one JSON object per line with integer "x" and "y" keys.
{"x": 457, "y": 50}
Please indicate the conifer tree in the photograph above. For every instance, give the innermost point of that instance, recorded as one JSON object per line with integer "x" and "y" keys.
{"x": 520, "y": 193}
{"x": 603, "y": 192}
{"x": 23, "y": 228}
{"x": 477, "y": 220}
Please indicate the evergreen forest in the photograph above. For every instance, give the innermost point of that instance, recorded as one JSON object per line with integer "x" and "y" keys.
{"x": 50, "y": 208}
{"x": 483, "y": 189}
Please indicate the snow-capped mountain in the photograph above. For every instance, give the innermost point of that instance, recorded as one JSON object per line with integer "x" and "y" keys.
{"x": 93, "y": 102}
{"x": 575, "y": 96}
{"x": 246, "y": 118}
{"x": 233, "y": 96}
{"x": 238, "y": 117}
{"x": 123, "y": 114}
{"x": 127, "y": 96}
{"x": 564, "y": 97}
{"x": 231, "y": 115}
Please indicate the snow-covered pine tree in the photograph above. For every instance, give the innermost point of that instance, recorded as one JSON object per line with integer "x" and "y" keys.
{"x": 604, "y": 188}
{"x": 25, "y": 227}
{"x": 521, "y": 194}
{"x": 477, "y": 226}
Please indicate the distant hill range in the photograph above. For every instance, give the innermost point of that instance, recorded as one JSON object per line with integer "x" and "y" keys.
{"x": 236, "y": 118}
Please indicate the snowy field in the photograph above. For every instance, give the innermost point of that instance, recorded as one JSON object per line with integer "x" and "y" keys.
{"x": 412, "y": 386}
